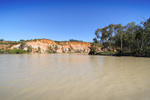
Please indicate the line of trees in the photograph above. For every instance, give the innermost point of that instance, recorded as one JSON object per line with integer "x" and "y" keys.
{"x": 1, "y": 39}
{"x": 128, "y": 38}
{"x": 73, "y": 40}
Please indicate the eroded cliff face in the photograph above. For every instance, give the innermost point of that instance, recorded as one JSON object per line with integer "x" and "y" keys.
{"x": 75, "y": 46}
{"x": 5, "y": 44}
{"x": 46, "y": 45}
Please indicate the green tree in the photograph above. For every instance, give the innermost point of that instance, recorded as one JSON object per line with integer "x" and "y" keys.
{"x": 22, "y": 45}
{"x": 70, "y": 49}
{"x": 132, "y": 37}
{"x": 129, "y": 37}
{"x": 120, "y": 31}
{"x": 22, "y": 40}
{"x": 94, "y": 47}
{"x": 39, "y": 49}
{"x": 102, "y": 35}
{"x": 50, "y": 49}
{"x": 56, "y": 48}
{"x": 29, "y": 49}
{"x": 143, "y": 36}
{"x": 1, "y": 39}
{"x": 110, "y": 35}
{"x": 73, "y": 40}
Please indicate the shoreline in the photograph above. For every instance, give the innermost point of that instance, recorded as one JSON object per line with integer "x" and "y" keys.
{"x": 122, "y": 55}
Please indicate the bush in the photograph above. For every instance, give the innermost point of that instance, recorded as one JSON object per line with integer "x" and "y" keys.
{"x": 39, "y": 49}
{"x": 1, "y": 51}
{"x": 72, "y": 40}
{"x": 15, "y": 51}
{"x": 29, "y": 49}
{"x": 92, "y": 52}
{"x": 147, "y": 52}
{"x": 78, "y": 51}
{"x": 22, "y": 45}
{"x": 106, "y": 53}
{"x": 1, "y": 39}
{"x": 93, "y": 48}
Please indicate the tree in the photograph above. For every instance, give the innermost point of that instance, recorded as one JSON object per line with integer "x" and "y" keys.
{"x": 1, "y": 39}
{"x": 39, "y": 49}
{"x": 94, "y": 47}
{"x": 143, "y": 36}
{"x": 110, "y": 34}
{"x": 22, "y": 45}
{"x": 70, "y": 49}
{"x": 50, "y": 49}
{"x": 131, "y": 37}
{"x": 120, "y": 31}
{"x": 102, "y": 35}
{"x": 29, "y": 49}
{"x": 73, "y": 40}
{"x": 22, "y": 40}
{"x": 56, "y": 48}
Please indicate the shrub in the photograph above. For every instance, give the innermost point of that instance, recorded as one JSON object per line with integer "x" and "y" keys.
{"x": 78, "y": 51}
{"x": 1, "y": 51}
{"x": 39, "y": 49}
{"x": 15, "y": 51}
{"x": 29, "y": 49}
{"x": 147, "y": 52}
{"x": 22, "y": 45}
{"x": 1, "y": 39}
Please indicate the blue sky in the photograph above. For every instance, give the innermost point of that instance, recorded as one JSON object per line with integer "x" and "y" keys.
{"x": 66, "y": 19}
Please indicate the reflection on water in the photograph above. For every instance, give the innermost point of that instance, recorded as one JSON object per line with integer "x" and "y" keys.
{"x": 73, "y": 77}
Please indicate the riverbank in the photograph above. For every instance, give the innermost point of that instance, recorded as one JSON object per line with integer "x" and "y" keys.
{"x": 20, "y": 51}
{"x": 13, "y": 51}
{"x": 134, "y": 54}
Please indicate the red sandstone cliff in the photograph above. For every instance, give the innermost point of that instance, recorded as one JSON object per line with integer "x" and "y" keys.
{"x": 45, "y": 44}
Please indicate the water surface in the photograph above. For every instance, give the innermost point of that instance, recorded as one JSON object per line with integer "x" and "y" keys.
{"x": 73, "y": 77}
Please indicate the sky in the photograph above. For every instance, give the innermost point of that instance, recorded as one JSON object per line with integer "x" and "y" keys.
{"x": 66, "y": 19}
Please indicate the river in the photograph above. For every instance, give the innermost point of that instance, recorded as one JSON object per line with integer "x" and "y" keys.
{"x": 73, "y": 77}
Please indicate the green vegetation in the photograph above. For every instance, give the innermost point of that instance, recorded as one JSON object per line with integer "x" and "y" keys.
{"x": 94, "y": 47}
{"x": 29, "y": 49}
{"x": 39, "y": 49}
{"x": 1, "y": 39}
{"x": 73, "y": 40}
{"x": 78, "y": 51}
{"x": 15, "y": 51}
{"x": 1, "y": 51}
{"x": 56, "y": 48}
{"x": 22, "y": 45}
{"x": 9, "y": 43}
{"x": 106, "y": 53}
{"x": 70, "y": 49}
{"x": 51, "y": 49}
{"x": 129, "y": 38}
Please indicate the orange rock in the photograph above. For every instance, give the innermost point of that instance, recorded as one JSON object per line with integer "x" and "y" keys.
{"x": 44, "y": 44}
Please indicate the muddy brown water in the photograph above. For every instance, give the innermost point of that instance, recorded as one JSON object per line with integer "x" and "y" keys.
{"x": 73, "y": 77}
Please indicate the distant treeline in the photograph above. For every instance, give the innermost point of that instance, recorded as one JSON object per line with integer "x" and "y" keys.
{"x": 22, "y": 40}
{"x": 71, "y": 40}
{"x": 129, "y": 38}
